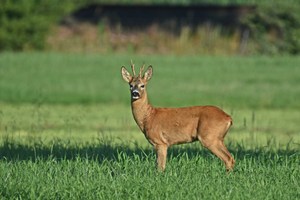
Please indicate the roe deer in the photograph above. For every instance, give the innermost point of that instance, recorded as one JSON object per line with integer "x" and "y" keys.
{"x": 164, "y": 127}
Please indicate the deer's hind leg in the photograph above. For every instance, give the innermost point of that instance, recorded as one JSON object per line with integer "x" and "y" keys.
{"x": 218, "y": 148}
{"x": 212, "y": 139}
{"x": 230, "y": 164}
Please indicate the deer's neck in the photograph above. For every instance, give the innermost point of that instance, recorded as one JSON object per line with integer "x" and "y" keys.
{"x": 142, "y": 110}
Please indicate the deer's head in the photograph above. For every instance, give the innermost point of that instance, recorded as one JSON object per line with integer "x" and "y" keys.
{"x": 137, "y": 83}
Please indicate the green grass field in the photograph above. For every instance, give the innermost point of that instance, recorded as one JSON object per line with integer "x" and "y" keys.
{"x": 66, "y": 129}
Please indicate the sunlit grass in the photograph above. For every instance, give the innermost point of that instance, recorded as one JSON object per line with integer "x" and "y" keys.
{"x": 86, "y": 123}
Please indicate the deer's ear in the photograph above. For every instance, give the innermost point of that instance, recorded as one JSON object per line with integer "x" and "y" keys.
{"x": 125, "y": 74}
{"x": 148, "y": 73}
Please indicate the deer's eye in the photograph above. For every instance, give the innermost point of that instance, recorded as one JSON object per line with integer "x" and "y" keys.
{"x": 142, "y": 86}
{"x": 131, "y": 86}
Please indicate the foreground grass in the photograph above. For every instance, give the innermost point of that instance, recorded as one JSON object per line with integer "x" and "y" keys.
{"x": 102, "y": 170}
{"x": 96, "y": 151}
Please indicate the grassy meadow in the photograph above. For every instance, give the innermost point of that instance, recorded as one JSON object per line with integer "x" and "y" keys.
{"x": 67, "y": 132}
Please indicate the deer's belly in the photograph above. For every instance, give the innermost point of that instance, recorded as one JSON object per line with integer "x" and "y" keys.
{"x": 172, "y": 132}
{"x": 179, "y": 137}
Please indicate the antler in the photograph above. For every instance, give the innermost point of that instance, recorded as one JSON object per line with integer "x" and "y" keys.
{"x": 141, "y": 70}
{"x": 132, "y": 67}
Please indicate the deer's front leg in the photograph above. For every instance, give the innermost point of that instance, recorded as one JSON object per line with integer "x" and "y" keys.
{"x": 161, "y": 153}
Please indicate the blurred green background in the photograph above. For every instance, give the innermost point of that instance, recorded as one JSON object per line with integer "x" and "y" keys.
{"x": 34, "y": 25}
{"x": 46, "y": 64}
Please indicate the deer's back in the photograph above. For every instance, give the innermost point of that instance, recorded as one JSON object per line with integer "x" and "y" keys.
{"x": 185, "y": 114}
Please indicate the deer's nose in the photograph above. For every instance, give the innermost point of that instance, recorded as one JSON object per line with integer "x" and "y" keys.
{"x": 135, "y": 94}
